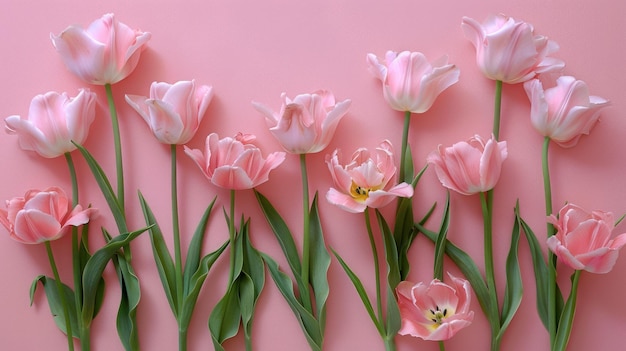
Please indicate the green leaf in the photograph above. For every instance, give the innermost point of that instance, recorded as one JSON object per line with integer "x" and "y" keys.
{"x": 194, "y": 251}
{"x": 84, "y": 256}
{"x": 393, "y": 322}
{"x": 162, "y": 257}
{"x": 105, "y": 187}
{"x": 514, "y": 290}
{"x": 282, "y": 233}
{"x": 225, "y": 317}
{"x": 307, "y": 321}
{"x": 541, "y": 270}
{"x": 319, "y": 263}
{"x": 440, "y": 244}
{"x": 566, "y": 319}
{"x": 468, "y": 268}
{"x": 362, "y": 293}
{"x": 94, "y": 268}
{"x": 54, "y": 302}
{"x": 253, "y": 281}
{"x": 129, "y": 300}
{"x": 195, "y": 284}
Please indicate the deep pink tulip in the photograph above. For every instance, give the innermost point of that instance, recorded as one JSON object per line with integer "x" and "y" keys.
{"x": 366, "y": 180}
{"x": 583, "y": 239}
{"x": 434, "y": 311}
{"x": 410, "y": 82}
{"x": 469, "y": 167}
{"x": 508, "y": 50}
{"x": 42, "y": 216}
{"x": 306, "y": 124}
{"x": 234, "y": 163}
{"x": 54, "y": 121}
{"x": 565, "y": 111}
{"x": 173, "y": 111}
{"x": 104, "y": 53}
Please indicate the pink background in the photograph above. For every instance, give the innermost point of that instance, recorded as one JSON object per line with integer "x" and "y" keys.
{"x": 254, "y": 51}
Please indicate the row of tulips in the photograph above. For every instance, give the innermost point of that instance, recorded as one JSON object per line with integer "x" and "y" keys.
{"x": 507, "y": 51}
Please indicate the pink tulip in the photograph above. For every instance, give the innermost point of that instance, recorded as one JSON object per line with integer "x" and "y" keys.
{"x": 234, "y": 163}
{"x": 42, "y": 216}
{"x": 54, "y": 121}
{"x": 365, "y": 181}
{"x": 173, "y": 111}
{"x": 435, "y": 311}
{"x": 306, "y": 124}
{"x": 565, "y": 111}
{"x": 410, "y": 82}
{"x": 469, "y": 167}
{"x": 583, "y": 240}
{"x": 508, "y": 50}
{"x": 104, "y": 53}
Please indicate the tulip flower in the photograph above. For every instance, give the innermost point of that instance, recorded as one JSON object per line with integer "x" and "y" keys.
{"x": 366, "y": 180}
{"x": 173, "y": 111}
{"x": 306, "y": 124}
{"x": 410, "y": 82}
{"x": 234, "y": 163}
{"x": 434, "y": 311}
{"x": 54, "y": 121}
{"x": 565, "y": 111}
{"x": 508, "y": 50}
{"x": 583, "y": 239}
{"x": 469, "y": 167}
{"x": 42, "y": 216}
{"x": 104, "y": 53}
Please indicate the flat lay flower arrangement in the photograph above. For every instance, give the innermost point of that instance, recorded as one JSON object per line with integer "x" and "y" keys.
{"x": 370, "y": 177}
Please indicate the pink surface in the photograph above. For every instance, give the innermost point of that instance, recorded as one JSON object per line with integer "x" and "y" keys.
{"x": 256, "y": 50}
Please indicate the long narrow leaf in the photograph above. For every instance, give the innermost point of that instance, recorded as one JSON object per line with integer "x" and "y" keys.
{"x": 394, "y": 276}
{"x": 129, "y": 300}
{"x": 162, "y": 257}
{"x": 94, "y": 268}
{"x": 362, "y": 293}
{"x": 566, "y": 319}
{"x": 440, "y": 243}
{"x": 253, "y": 281}
{"x": 54, "y": 302}
{"x": 193, "y": 259}
{"x": 319, "y": 263}
{"x": 225, "y": 317}
{"x": 307, "y": 321}
{"x": 514, "y": 290}
{"x": 105, "y": 187}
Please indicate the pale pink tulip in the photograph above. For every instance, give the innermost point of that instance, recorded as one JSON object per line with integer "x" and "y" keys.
{"x": 410, "y": 82}
{"x": 306, "y": 124}
{"x": 173, "y": 111}
{"x": 565, "y": 111}
{"x": 434, "y": 311}
{"x": 42, "y": 216}
{"x": 508, "y": 50}
{"x": 583, "y": 239}
{"x": 54, "y": 121}
{"x": 234, "y": 163}
{"x": 104, "y": 53}
{"x": 366, "y": 180}
{"x": 469, "y": 167}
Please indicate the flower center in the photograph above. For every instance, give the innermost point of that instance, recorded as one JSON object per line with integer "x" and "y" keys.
{"x": 438, "y": 315}
{"x": 360, "y": 193}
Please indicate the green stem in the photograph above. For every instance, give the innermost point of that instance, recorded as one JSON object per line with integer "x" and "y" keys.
{"x": 76, "y": 264}
{"x": 552, "y": 317}
{"x": 306, "y": 240}
{"x": 497, "y": 110}
{"x": 370, "y": 235}
{"x": 390, "y": 343}
{"x": 85, "y": 339}
{"x": 182, "y": 340}
{"x": 231, "y": 238}
{"x": 118, "y": 146}
{"x": 248, "y": 342}
{"x": 405, "y": 145}
{"x": 442, "y": 347}
{"x": 57, "y": 280}
{"x": 182, "y": 334}
{"x": 494, "y": 317}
